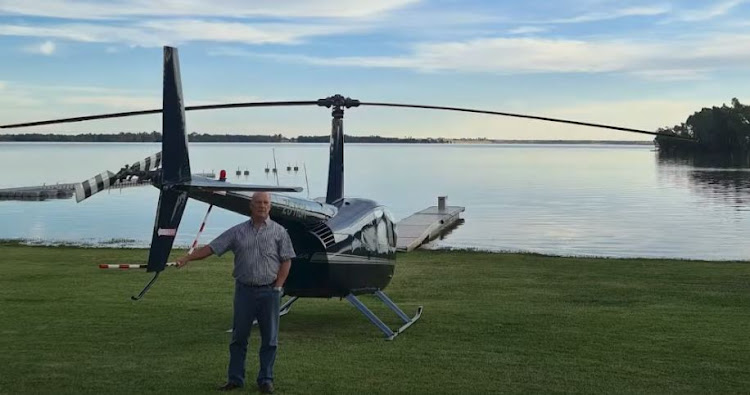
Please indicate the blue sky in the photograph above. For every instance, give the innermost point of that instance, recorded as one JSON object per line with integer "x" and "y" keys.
{"x": 640, "y": 64}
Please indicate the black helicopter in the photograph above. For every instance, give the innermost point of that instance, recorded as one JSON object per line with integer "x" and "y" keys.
{"x": 345, "y": 246}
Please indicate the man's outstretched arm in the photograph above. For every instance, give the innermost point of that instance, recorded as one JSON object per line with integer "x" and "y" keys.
{"x": 196, "y": 255}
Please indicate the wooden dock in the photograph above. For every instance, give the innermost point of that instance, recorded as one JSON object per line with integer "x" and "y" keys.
{"x": 426, "y": 225}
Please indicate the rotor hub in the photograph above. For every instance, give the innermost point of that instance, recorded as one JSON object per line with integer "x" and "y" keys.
{"x": 338, "y": 101}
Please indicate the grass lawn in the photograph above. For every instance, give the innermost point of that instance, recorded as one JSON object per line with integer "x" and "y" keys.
{"x": 491, "y": 323}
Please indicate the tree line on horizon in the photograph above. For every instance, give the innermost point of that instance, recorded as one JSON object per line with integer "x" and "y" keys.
{"x": 156, "y": 137}
{"x": 723, "y": 131}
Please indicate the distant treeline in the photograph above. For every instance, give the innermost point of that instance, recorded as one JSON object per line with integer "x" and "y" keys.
{"x": 373, "y": 139}
{"x": 721, "y": 130}
{"x": 610, "y": 142}
{"x": 155, "y": 137}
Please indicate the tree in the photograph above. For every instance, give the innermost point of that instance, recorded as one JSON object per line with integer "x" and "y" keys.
{"x": 722, "y": 129}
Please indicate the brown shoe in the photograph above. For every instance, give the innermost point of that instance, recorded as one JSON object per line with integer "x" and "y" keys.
{"x": 266, "y": 388}
{"x": 229, "y": 386}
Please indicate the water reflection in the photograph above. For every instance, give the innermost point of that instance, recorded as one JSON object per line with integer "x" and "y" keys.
{"x": 717, "y": 178}
{"x": 601, "y": 200}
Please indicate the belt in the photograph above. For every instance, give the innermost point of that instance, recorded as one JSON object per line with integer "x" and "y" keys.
{"x": 256, "y": 286}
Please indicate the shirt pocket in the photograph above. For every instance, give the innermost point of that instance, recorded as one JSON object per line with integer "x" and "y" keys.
{"x": 269, "y": 250}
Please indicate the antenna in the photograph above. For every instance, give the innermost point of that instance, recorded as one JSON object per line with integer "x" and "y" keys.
{"x": 274, "y": 166}
{"x": 307, "y": 184}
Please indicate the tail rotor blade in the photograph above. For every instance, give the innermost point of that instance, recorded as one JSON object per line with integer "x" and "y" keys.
{"x": 93, "y": 185}
{"x": 148, "y": 164}
{"x": 108, "y": 179}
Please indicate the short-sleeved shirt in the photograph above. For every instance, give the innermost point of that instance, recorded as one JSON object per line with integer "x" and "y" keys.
{"x": 258, "y": 253}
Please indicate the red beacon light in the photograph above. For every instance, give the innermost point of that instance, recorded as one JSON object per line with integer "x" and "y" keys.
{"x": 223, "y": 175}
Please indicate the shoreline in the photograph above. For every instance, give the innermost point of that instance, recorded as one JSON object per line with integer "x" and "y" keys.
{"x": 404, "y": 142}
{"x": 112, "y": 245}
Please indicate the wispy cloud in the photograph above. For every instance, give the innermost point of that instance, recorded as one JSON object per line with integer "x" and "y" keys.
{"x": 68, "y": 89}
{"x": 710, "y": 12}
{"x": 279, "y": 33}
{"x": 673, "y": 74}
{"x": 77, "y": 9}
{"x": 527, "y": 30}
{"x": 14, "y": 96}
{"x": 608, "y": 15}
{"x": 678, "y": 59}
{"x": 135, "y": 101}
{"x": 154, "y": 33}
{"x": 115, "y": 101}
{"x": 45, "y": 48}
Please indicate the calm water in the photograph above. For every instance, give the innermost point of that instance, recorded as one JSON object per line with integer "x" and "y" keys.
{"x": 603, "y": 200}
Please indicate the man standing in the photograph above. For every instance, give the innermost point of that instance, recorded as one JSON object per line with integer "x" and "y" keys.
{"x": 262, "y": 258}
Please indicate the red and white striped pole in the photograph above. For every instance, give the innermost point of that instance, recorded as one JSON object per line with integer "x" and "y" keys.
{"x": 203, "y": 226}
{"x": 192, "y": 247}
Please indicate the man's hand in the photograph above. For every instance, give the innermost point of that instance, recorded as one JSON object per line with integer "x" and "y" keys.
{"x": 182, "y": 261}
{"x": 196, "y": 255}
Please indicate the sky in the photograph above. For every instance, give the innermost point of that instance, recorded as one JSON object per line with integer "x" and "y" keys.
{"x": 638, "y": 64}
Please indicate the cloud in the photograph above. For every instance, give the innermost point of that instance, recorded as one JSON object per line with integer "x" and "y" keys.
{"x": 77, "y": 9}
{"x": 608, "y": 15}
{"x": 126, "y": 101}
{"x": 155, "y": 33}
{"x": 14, "y": 96}
{"x": 527, "y": 30}
{"x": 713, "y": 11}
{"x": 115, "y": 101}
{"x": 678, "y": 59}
{"x": 266, "y": 33}
{"x": 74, "y": 32}
{"x": 45, "y": 48}
{"x": 673, "y": 74}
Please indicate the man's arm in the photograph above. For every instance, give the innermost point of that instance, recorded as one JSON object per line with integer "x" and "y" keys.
{"x": 283, "y": 273}
{"x": 196, "y": 255}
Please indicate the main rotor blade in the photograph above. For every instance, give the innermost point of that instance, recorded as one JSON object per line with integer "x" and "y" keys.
{"x": 508, "y": 114}
{"x": 316, "y": 102}
{"x": 159, "y": 110}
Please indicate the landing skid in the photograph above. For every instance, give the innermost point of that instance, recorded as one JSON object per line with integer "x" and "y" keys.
{"x": 287, "y": 305}
{"x": 389, "y": 334}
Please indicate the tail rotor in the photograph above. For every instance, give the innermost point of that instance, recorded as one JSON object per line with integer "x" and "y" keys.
{"x": 144, "y": 169}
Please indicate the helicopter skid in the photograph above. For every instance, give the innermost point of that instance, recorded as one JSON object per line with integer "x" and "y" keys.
{"x": 387, "y": 331}
{"x": 287, "y": 305}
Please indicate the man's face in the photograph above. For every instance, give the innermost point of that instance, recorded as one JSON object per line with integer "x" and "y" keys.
{"x": 260, "y": 205}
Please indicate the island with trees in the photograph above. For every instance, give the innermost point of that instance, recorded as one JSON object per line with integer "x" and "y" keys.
{"x": 720, "y": 131}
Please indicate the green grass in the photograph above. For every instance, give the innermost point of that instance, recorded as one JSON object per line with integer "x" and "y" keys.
{"x": 491, "y": 323}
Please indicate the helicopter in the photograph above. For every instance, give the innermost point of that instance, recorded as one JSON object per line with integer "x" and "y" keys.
{"x": 345, "y": 246}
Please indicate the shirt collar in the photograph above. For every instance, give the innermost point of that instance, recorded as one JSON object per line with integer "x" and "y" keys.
{"x": 263, "y": 223}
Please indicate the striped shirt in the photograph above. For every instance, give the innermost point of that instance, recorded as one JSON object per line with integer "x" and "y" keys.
{"x": 258, "y": 253}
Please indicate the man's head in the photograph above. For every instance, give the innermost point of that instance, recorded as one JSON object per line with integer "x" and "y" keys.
{"x": 260, "y": 206}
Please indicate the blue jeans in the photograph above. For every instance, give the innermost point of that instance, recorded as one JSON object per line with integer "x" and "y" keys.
{"x": 251, "y": 303}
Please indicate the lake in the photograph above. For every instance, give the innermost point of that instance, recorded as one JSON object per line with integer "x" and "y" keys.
{"x": 583, "y": 200}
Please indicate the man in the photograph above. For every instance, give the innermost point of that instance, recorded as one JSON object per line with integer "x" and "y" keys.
{"x": 262, "y": 259}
